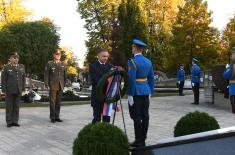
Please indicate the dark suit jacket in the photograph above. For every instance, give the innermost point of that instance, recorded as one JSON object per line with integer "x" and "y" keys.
{"x": 13, "y": 79}
{"x": 55, "y": 75}
{"x": 96, "y": 71}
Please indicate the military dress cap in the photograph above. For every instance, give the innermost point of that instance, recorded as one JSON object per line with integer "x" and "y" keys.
{"x": 139, "y": 42}
{"x": 195, "y": 59}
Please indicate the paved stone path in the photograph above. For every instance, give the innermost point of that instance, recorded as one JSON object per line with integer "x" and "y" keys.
{"x": 37, "y": 136}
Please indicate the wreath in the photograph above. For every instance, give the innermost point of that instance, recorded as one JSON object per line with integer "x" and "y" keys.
{"x": 103, "y": 82}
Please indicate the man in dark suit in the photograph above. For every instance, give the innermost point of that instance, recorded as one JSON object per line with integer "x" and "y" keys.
{"x": 55, "y": 79}
{"x": 13, "y": 83}
{"x": 96, "y": 71}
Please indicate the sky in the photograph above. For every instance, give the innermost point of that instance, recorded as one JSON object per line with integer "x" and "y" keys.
{"x": 73, "y": 33}
{"x": 65, "y": 16}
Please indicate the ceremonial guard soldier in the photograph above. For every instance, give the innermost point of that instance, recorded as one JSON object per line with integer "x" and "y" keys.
{"x": 141, "y": 86}
{"x": 195, "y": 80}
{"x": 181, "y": 79}
{"x": 229, "y": 74}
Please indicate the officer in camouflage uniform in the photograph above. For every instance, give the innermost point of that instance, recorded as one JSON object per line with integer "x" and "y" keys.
{"x": 55, "y": 79}
{"x": 13, "y": 83}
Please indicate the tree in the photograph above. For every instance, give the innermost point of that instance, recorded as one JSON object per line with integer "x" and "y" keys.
{"x": 70, "y": 61}
{"x": 72, "y": 71}
{"x": 113, "y": 24}
{"x": 12, "y": 11}
{"x": 99, "y": 17}
{"x": 193, "y": 36}
{"x": 161, "y": 16}
{"x": 228, "y": 39}
{"x": 133, "y": 23}
{"x": 34, "y": 42}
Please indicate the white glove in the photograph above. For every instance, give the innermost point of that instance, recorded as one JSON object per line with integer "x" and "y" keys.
{"x": 178, "y": 82}
{"x": 201, "y": 79}
{"x": 193, "y": 84}
{"x": 227, "y": 66}
{"x": 149, "y": 96}
{"x": 130, "y": 100}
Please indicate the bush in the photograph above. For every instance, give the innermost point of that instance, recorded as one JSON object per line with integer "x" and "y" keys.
{"x": 195, "y": 122}
{"x": 101, "y": 139}
{"x": 69, "y": 93}
{"x": 25, "y": 98}
{"x": 69, "y": 96}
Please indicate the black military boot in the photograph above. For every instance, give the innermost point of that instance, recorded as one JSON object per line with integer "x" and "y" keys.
{"x": 139, "y": 139}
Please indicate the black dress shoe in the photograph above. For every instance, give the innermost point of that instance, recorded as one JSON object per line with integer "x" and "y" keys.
{"x": 52, "y": 120}
{"x": 137, "y": 144}
{"x": 15, "y": 124}
{"x": 58, "y": 120}
{"x": 194, "y": 103}
{"x": 9, "y": 125}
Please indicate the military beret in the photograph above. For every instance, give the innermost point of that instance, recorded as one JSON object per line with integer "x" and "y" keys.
{"x": 139, "y": 42}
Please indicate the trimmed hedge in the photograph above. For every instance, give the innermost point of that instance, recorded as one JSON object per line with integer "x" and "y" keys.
{"x": 195, "y": 122}
{"x": 69, "y": 96}
{"x": 101, "y": 139}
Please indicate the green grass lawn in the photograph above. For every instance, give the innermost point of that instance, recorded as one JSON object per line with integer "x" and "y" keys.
{"x": 164, "y": 94}
{"x": 46, "y": 104}
{"x": 68, "y": 103}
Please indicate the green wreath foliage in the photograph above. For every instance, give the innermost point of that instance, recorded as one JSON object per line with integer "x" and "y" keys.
{"x": 101, "y": 86}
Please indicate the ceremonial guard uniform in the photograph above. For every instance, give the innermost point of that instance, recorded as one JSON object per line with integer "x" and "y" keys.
{"x": 141, "y": 86}
{"x": 13, "y": 83}
{"x": 195, "y": 80}
{"x": 181, "y": 79}
{"x": 229, "y": 74}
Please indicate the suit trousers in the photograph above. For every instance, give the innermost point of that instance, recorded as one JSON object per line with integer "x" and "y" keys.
{"x": 12, "y": 107}
{"x": 181, "y": 87}
{"x": 139, "y": 112}
{"x": 196, "y": 93}
{"x": 232, "y": 100}
{"x": 97, "y": 113}
{"x": 55, "y": 100}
